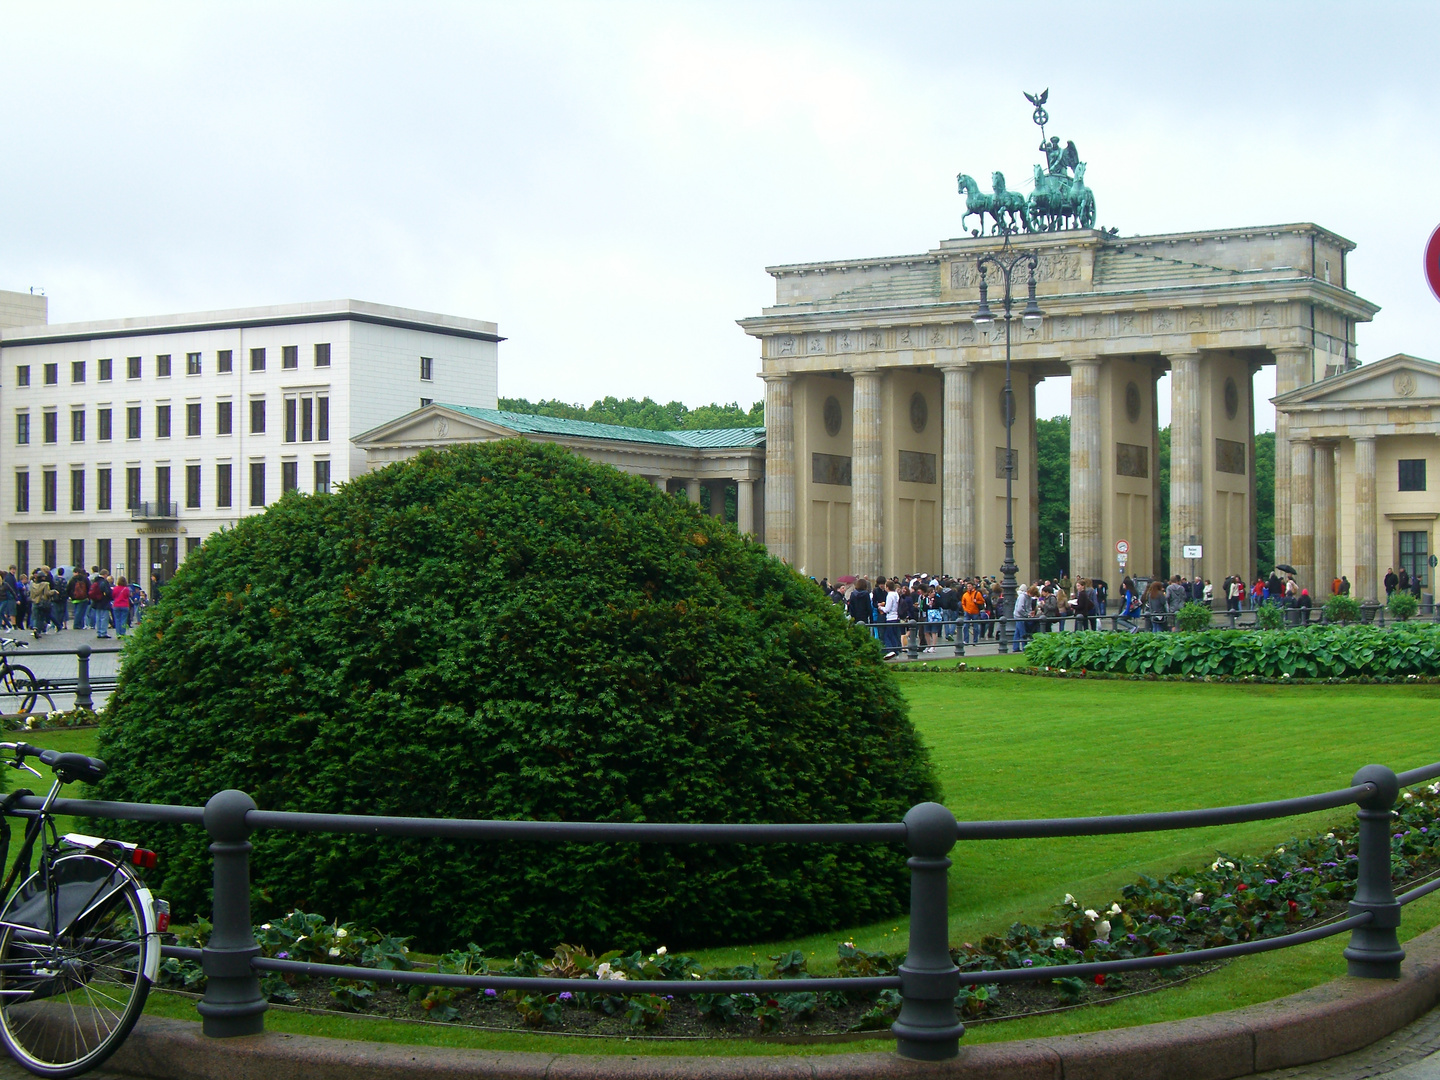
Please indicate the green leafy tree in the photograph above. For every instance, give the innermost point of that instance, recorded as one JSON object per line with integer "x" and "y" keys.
{"x": 1053, "y": 461}
{"x": 1162, "y": 557}
{"x": 391, "y": 649}
{"x": 644, "y": 413}
{"x": 1265, "y": 500}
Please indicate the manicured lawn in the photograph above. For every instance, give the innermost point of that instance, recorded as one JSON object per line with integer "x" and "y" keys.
{"x": 1010, "y": 746}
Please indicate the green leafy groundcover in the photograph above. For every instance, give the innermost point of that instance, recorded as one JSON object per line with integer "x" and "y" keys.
{"x": 510, "y": 631}
{"x": 1318, "y": 652}
{"x": 1233, "y": 899}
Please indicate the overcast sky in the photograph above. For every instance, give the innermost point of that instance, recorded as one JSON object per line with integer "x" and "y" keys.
{"x": 608, "y": 181}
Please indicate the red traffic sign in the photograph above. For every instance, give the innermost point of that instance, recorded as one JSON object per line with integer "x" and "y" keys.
{"x": 1432, "y": 262}
{"x": 1122, "y": 547}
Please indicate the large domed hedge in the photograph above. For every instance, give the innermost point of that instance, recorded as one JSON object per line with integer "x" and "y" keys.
{"x": 510, "y": 631}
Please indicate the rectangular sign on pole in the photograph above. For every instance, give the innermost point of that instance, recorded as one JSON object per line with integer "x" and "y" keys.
{"x": 1192, "y": 551}
{"x": 1122, "y": 559}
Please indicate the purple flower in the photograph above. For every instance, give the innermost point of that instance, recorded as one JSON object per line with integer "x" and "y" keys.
{"x": 282, "y": 956}
{"x": 1131, "y": 937}
{"x": 565, "y": 995}
{"x": 1028, "y": 963}
{"x": 669, "y": 997}
{"x": 1285, "y": 876}
{"x": 1329, "y": 865}
{"x": 489, "y": 993}
{"x": 1352, "y": 857}
{"x": 1152, "y": 918}
{"x": 1271, "y": 881}
{"x": 1424, "y": 830}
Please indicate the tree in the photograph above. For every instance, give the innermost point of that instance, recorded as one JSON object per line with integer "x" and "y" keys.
{"x": 1265, "y": 500}
{"x": 1053, "y": 461}
{"x": 645, "y": 413}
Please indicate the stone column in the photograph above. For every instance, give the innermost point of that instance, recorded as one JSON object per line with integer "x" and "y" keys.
{"x": 745, "y": 506}
{"x": 662, "y": 483}
{"x": 1326, "y": 561}
{"x": 1086, "y": 542}
{"x": 717, "y": 499}
{"x": 1292, "y": 370}
{"x": 692, "y": 488}
{"x": 1367, "y": 575}
{"x": 957, "y": 538}
{"x": 1302, "y": 513}
{"x": 780, "y": 466}
{"x": 866, "y": 546}
{"x": 1187, "y": 497}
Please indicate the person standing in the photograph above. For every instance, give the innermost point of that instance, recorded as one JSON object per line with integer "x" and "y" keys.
{"x": 80, "y": 593}
{"x": 1344, "y": 585}
{"x": 60, "y": 603}
{"x": 100, "y": 604}
{"x": 120, "y": 605}
{"x": 891, "y": 612}
{"x": 40, "y": 592}
{"x": 1234, "y": 590}
{"x": 1391, "y": 582}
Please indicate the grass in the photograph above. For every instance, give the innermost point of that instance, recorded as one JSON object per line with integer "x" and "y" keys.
{"x": 1009, "y": 747}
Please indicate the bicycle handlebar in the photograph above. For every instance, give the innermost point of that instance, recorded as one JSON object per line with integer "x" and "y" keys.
{"x": 68, "y": 767}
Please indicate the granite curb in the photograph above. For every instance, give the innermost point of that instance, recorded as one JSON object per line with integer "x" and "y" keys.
{"x": 1323, "y": 1022}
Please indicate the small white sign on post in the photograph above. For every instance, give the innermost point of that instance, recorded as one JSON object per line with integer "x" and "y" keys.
{"x": 1192, "y": 551}
{"x": 1122, "y": 559}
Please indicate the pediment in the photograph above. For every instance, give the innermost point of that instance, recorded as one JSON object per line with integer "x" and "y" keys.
{"x": 433, "y": 425}
{"x": 1396, "y": 380}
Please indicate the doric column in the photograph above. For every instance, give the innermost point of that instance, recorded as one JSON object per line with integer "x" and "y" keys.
{"x": 1325, "y": 557}
{"x": 1292, "y": 370}
{"x": 745, "y": 506}
{"x": 1187, "y": 499}
{"x": 867, "y": 491}
{"x": 717, "y": 499}
{"x": 957, "y": 539}
{"x": 692, "y": 488}
{"x": 780, "y": 466}
{"x": 1367, "y": 575}
{"x": 662, "y": 483}
{"x": 1302, "y": 512}
{"x": 1086, "y": 542}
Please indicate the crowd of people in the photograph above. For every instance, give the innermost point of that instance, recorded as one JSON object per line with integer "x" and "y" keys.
{"x": 44, "y": 598}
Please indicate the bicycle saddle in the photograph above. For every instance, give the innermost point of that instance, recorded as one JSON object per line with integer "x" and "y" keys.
{"x": 72, "y": 767}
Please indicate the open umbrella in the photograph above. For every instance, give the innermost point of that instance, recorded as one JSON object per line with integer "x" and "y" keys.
{"x": 846, "y": 580}
{"x": 1286, "y": 567}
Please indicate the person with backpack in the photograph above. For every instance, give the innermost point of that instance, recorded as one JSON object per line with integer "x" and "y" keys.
{"x": 40, "y": 593}
{"x": 100, "y": 593}
{"x": 80, "y": 593}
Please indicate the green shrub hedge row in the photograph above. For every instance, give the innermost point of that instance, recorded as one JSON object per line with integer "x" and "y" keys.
{"x": 1317, "y": 652}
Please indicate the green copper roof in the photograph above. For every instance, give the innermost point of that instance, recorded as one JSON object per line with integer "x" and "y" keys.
{"x": 528, "y": 424}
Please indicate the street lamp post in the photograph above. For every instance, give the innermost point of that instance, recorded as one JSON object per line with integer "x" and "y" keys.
{"x": 1005, "y": 261}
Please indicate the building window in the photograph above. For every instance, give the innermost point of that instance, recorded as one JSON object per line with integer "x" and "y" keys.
{"x": 132, "y": 488}
{"x": 132, "y": 367}
{"x": 222, "y": 485}
{"x": 52, "y": 374}
{"x": 22, "y": 492}
{"x": 52, "y": 426}
{"x": 162, "y": 487}
{"x": 192, "y": 363}
{"x": 426, "y": 401}
{"x": 1412, "y": 474}
{"x": 257, "y": 359}
{"x": 289, "y": 357}
{"x": 300, "y": 414}
{"x": 257, "y": 416}
{"x": 192, "y": 486}
{"x": 132, "y": 559}
{"x": 162, "y": 421}
{"x": 102, "y": 422}
{"x": 49, "y": 552}
{"x": 290, "y": 424}
{"x": 132, "y": 422}
{"x": 322, "y": 354}
{"x": 22, "y": 553}
{"x": 77, "y": 425}
{"x": 192, "y": 418}
{"x": 162, "y": 366}
{"x": 192, "y": 545}
{"x": 48, "y": 488}
{"x": 222, "y": 418}
{"x": 77, "y": 371}
{"x": 107, "y": 369}
{"x": 22, "y": 429}
{"x": 427, "y": 368}
{"x": 102, "y": 489}
{"x": 257, "y": 483}
{"x": 289, "y": 476}
{"x": 225, "y": 361}
{"x": 1415, "y": 555}
{"x": 77, "y": 552}
{"x": 22, "y": 374}
{"x": 322, "y": 418}
{"x": 322, "y": 476}
{"x": 77, "y": 490}
{"x": 102, "y": 552}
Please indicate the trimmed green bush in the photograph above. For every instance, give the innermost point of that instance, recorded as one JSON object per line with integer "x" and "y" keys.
{"x": 1402, "y": 605}
{"x": 1194, "y": 615}
{"x": 1342, "y": 609}
{"x": 510, "y": 631}
{"x": 1317, "y": 653}
{"x": 1270, "y": 616}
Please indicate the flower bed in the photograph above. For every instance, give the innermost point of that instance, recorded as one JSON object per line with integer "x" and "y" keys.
{"x": 1234, "y": 898}
{"x": 1317, "y": 652}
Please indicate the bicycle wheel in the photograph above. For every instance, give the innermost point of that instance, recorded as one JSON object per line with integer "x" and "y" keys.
{"x": 68, "y": 998}
{"x": 15, "y": 681}
{"x": 31, "y": 693}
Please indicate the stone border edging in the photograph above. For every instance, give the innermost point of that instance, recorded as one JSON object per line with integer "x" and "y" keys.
{"x": 1323, "y": 1022}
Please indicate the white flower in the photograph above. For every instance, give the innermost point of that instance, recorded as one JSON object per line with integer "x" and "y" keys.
{"x": 1114, "y": 909}
{"x": 1279, "y": 851}
{"x": 1435, "y": 789}
{"x": 603, "y": 971}
{"x": 1102, "y": 929}
{"x": 404, "y": 948}
{"x": 1196, "y": 897}
{"x": 1229, "y": 865}
{"x": 696, "y": 975}
{"x": 660, "y": 951}
{"x": 265, "y": 926}
{"x": 342, "y": 933}
{"x": 334, "y": 951}
{"x": 1407, "y": 796}
{"x": 300, "y": 939}
{"x": 1059, "y": 942}
{"x": 1069, "y": 900}
{"x": 1091, "y": 914}
{"x": 1329, "y": 836}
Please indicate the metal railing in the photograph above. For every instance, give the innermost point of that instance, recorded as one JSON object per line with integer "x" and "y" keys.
{"x": 928, "y": 1027}
{"x": 161, "y": 509}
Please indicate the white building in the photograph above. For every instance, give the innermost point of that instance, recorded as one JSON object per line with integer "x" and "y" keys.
{"x": 125, "y": 442}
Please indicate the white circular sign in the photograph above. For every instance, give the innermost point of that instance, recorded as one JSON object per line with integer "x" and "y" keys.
{"x": 1122, "y": 547}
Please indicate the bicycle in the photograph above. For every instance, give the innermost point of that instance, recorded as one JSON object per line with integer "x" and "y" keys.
{"x": 18, "y": 682}
{"x": 79, "y": 934}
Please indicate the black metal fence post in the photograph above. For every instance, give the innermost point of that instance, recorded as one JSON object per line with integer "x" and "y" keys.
{"x": 83, "y": 697}
{"x": 960, "y": 632}
{"x": 913, "y": 630}
{"x": 1374, "y": 951}
{"x": 233, "y": 1004}
{"x": 928, "y": 1029}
